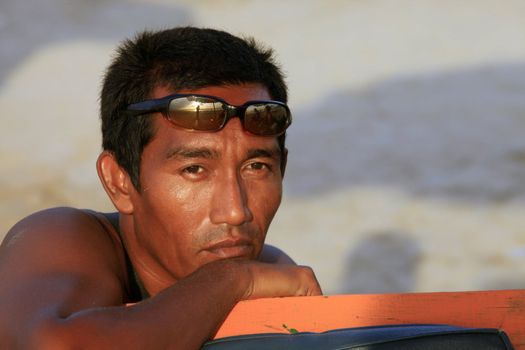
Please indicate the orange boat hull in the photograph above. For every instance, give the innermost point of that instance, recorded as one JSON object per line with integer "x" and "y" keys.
{"x": 486, "y": 309}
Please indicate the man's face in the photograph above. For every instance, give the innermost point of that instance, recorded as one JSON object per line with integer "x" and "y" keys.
{"x": 205, "y": 195}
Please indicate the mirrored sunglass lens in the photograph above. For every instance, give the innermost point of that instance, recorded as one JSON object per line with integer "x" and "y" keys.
{"x": 266, "y": 119}
{"x": 198, "y": 113}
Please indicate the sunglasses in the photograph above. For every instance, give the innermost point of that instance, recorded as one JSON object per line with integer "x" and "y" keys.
{"x": 209, "y": 113}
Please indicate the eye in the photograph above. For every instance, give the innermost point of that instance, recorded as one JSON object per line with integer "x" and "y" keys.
{"x": 193, "y": 170}
{"x": 258, "y": 166}
{"x": 258, "y": 170}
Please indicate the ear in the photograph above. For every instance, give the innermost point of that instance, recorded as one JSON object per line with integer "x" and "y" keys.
{"x": 116, "y": 182}
{"x": 284, "y": 159}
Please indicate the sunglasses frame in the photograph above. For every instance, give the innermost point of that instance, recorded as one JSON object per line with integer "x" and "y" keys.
{"x": 161, "y": 105}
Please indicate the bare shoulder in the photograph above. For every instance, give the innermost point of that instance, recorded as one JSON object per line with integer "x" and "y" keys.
{"x": 53, "y": 236}
{"x": 274, "y": 255}
{"x": 57, "y": 260}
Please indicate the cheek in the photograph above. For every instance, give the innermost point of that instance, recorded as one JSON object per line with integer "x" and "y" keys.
{"x": 176, "y": 217}
{"x": 265, "y": 201}
{"x": 184, "y": 205}
{"x": 175, "y": 210}
{"x": 184, "y": 197}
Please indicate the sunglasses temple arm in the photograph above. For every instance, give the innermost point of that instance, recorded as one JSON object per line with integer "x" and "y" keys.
{"x": 148, "y": 107}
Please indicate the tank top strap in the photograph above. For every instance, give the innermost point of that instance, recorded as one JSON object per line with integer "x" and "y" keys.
{"x": 110, "y": 221}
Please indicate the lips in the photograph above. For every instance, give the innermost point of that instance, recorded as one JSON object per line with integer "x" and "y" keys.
{"x": 231, "y": 248}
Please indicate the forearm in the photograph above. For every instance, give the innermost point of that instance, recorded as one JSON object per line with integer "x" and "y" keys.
{"x": 180, "y": 317}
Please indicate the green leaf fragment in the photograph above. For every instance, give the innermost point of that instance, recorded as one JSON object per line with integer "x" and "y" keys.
{"x": 290, "y": 330}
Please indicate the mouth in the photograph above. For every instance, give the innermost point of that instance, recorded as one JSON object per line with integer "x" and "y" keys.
{"x": 231, "y": 248}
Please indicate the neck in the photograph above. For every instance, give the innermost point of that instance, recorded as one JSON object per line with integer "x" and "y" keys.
{"x": 150, "y": 275}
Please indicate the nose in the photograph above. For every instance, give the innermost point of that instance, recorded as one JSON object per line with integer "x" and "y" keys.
{"x": 230, "y": 202}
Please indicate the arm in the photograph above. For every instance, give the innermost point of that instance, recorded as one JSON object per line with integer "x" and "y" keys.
{"x": 61, "y": 286}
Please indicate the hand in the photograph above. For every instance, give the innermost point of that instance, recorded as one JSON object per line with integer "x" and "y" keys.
{"x": 279, "y": 280}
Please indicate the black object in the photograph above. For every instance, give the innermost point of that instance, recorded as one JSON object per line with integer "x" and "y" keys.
{"x": 397, "y": 337}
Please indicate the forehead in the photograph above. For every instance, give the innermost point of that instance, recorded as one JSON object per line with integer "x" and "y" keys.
{"x": 233, "y": 94}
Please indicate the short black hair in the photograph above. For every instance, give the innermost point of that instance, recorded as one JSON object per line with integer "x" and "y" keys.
{"x": 178, "y": 58}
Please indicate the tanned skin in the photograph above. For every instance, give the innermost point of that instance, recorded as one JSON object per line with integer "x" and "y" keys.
{"x": 194, "y": 233}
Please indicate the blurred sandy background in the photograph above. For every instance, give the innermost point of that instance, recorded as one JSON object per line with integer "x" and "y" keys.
{"x": 407, "y": 155}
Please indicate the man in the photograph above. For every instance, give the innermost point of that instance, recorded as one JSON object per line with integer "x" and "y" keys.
{"x": 193, "y": 125}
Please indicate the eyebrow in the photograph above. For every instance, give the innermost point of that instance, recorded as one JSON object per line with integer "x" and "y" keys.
{"x": 185, "y": 152}
{"x": 264, "y": 153}
{"x": 206, "y": 153}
